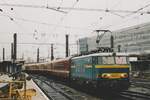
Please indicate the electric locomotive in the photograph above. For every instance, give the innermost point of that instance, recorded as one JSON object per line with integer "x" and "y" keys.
{"x": 101, "y": 70}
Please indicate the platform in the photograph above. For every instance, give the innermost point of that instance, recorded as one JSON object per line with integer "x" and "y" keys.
{"x": 29, "y": 85}
{"x": 39, "y": 94}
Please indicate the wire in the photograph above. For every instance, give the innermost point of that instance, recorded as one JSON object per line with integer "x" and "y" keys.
{"x": 114, "y": 13}
{"x": 117, "y": 14}
{"x": 142, "y": 8}
{"x": 61, "y": 9}
{"x": 104, "y": 10}
{"x": 60, "y": 44}
{"x": 135, "y": 12}
{"x": 34, "y": 6}
{"x": 12, "y": 19}
{"x": 63, "y": 17}
{"x": 43, "y": 23}
{"x": 60, "y": 4}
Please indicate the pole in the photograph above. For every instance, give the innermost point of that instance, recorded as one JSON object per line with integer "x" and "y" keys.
{"x": 52, "y": 52}
{"x": 112, "y": 43}
{"x": 12, "y": 51}
{"x": 37, "y": 55}
{"x": 15, "y": 46}
{"x": 67, "y": 45}
{"x": 13, "y": 68}
{"x": 3, "y": 54}
{"x": 77, "y": 46}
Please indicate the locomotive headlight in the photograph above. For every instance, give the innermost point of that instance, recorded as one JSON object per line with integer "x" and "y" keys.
{"x": 106, "y": 75}
{"x": 124, "y": 75}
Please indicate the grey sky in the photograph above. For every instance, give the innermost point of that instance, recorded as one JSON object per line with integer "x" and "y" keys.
{"x": 41, "y": 25}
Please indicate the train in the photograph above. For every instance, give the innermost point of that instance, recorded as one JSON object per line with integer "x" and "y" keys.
{"x": 99, "y": 70}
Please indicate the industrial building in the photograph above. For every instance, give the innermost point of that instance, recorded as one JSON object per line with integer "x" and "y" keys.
{"x": 135, "y": 39}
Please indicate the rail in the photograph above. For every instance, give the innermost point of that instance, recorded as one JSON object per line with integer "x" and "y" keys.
{"x": 56, "y": 90}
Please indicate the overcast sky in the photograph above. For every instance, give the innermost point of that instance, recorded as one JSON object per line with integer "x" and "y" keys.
{"x": 40, "y": 25}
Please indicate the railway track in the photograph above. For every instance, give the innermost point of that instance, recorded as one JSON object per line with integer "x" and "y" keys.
{"x": 140, "y": 90}
{"x": 141, "y": 84}
{"x": 51, "y": 93}
{"x": 131, "y": 95}
{"x": 56, "y": 91}
{"x": 144, "y": 84}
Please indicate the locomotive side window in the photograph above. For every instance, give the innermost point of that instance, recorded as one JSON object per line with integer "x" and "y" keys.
{"x": 99, "y": 60}
{"x": 94, "y": 60}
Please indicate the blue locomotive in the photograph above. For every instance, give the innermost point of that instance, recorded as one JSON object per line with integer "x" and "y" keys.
{"x": 102, "y": 70}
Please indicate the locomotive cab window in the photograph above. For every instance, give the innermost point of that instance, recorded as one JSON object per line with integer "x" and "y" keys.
{"x": 108, "y": 60}
{"x": 121, "y": 60}
{"x": 112, "y": 60}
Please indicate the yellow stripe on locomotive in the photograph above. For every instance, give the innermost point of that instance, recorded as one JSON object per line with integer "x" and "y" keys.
{"x": 111, "y": 66}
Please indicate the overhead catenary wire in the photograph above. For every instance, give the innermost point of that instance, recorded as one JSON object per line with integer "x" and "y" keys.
{"x": 62, "y": 9}
{"x": 34, "y": 6}
{"x": 142, "y": 8}
{"x": 104, "y": 10}
{"x": 64, "y": 16}
{"x": 76, "y": 9}
{"x": 32, "y": 43}
{"x": 19, "y": 25}
{"x": 61, "y": 2}
{"x": 43, "y": 23}
{"x": 12, "y": 19}
{"x": 115, "y": 13}
{"x": 128, "y": 15}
